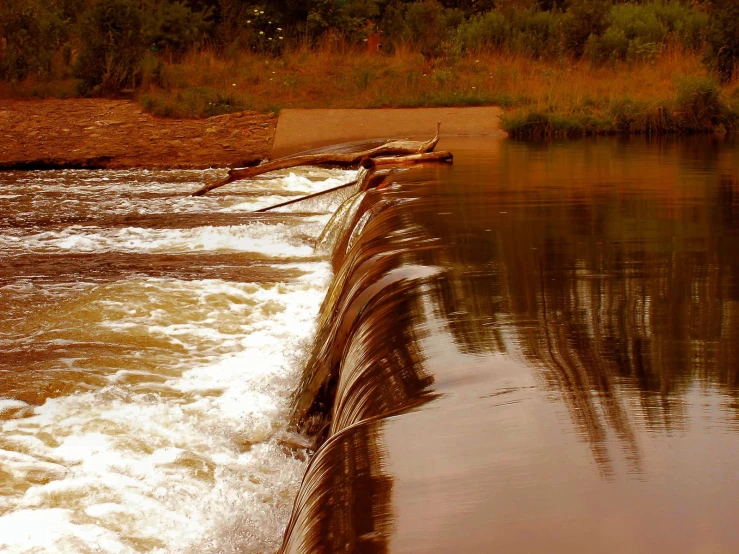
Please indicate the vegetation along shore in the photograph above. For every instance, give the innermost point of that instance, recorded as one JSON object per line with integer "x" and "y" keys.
{"x": 558, "y": 67}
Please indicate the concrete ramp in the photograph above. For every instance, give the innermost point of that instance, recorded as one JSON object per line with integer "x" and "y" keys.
{"x": 304, "y": 129}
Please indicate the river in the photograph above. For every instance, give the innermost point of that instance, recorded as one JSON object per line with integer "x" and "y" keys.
{"x": 531, "y": 350}
{"x": 149, "y": 342}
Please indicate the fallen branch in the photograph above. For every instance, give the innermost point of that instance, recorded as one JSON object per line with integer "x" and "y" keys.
{"x": 392, "y": 148}
{"x": 366, "y": 179}
{"x": 444, "y": 156}
{"x": 308, "y": 197}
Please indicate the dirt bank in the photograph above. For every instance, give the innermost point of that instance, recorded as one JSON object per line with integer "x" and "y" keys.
{"x": 99, "y": 133}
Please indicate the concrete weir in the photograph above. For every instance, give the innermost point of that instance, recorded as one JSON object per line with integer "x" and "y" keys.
{"x": 302, "y": 129}
{"x": 503, "y": 360}
{"x": 370, "y": 362}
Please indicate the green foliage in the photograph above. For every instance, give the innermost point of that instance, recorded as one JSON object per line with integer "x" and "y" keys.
{"x": 426, "y": 25}
{"x": 637, "y": 32}
{"x": 682, "y": 21}
{"x": 347, "y": 17}
{"x": 699, "y": 104}
{"x": 534, "y": 33}
{"x": 696, "y": 108}
{"x": 32, "y": 32}
{"x": 193, "y": 102}
{"x": 175, "y": 28}
{"x": 489, "y": 30}
{"x": 528, "y": 32}
{"x": 257, "y": 27}
{"x": 112, "y": 46}
{"x": 723, "y": 38}
{"x": 538, "y": 125}
{"x": 583, "y": 19}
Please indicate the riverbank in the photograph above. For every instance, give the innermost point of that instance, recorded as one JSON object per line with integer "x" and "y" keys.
{"x": 541, "y": 98}
{"x": 99, "y": 133}
{"x": 116, "y": 134}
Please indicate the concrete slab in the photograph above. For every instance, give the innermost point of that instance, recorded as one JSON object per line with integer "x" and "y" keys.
{"x": 304, "y": 129}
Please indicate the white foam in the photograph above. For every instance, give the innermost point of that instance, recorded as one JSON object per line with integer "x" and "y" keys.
{"x": 179, "y": 453}
{"x": 278, "y": 240}
{"x": 169, "y": 470}
{"x": 162, "y": 192}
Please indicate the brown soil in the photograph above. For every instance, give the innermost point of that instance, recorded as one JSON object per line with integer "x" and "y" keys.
{"x": 97, "y": 133}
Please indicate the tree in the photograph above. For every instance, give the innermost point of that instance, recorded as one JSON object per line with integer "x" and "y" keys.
{"x": 583, "y": 19}
{"x": 32, "y": 33}
{"x": 723, "y": 38}
{"x": 175, "y": 27}
{"x": 112, "y": 47}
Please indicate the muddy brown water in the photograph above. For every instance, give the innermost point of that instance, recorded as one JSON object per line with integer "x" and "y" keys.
{"x": 149, "y": 343}
{"x": 537, "y": 353}
{"x": 531, "y": 350}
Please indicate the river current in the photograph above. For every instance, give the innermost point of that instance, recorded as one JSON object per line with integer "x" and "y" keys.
{"x": 531, "y": 350}
{"x": 149, "y": 342}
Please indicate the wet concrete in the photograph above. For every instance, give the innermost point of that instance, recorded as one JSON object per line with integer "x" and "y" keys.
{"x": 302, "y": 129}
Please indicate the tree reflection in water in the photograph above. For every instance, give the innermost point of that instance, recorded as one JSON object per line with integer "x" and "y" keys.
{"x": 620, "y": 298}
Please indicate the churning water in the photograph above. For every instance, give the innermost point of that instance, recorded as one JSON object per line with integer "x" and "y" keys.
{"x": 149, "y": 343}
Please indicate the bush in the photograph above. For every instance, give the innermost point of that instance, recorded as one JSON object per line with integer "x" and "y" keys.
{"x": 425, "y": 23}
{"x": 698, "y": 106}
{"x": 33, "y": 32}
{"x": 175, "y": 28}
{"x": 637, "y": 32}
{"x": 193, "y": 102}
{"x": 488, "y": 30}
{"x": 528, "y": 32}
{"x": 112, "y": 47}
{"x": 533, "y": 33}
{"x": 723, "y": 38}
{"x": 583, "y": 19}
{"x": 685, "y": 24}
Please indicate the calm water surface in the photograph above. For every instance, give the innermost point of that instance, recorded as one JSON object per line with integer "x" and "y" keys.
{"x": 533, "y": 350}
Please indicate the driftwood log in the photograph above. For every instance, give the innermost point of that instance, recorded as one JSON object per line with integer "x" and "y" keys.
{"x": 390, "y": 148}
{"x": 444, "y": 156}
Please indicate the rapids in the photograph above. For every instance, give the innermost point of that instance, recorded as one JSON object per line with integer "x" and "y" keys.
{"x": 148, "y": 348}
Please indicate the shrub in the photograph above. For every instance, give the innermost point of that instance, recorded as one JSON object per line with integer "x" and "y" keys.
{"x": 192, "y": 102}
{"x": 33, "y": 32}
{"x": 425, "y": 26}
{"x": 723, "y": 38}
{"x": 583, "y": 19}
{"x": 527, "y": 31}
{"x": 488, "y": 30}
{"x": 112, "y": 47}
{"x": 533, "y": 33}
{"x": 637, "y": 32}
{"x": 698, "y": 104}
{"x": 684, "y": 23}
{"x": 175, "y": 28}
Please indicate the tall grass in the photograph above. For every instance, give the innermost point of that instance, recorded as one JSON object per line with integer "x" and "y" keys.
{"x": 542, "y": 97}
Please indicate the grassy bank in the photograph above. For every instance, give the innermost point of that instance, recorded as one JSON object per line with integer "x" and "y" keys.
{"x": 560, "y": 68}
{"x": 543, "y": 98}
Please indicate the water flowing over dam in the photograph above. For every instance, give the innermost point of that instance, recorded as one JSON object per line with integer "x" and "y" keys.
{"x": 535, "y": 349}
{"x": 530, "y": 351}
